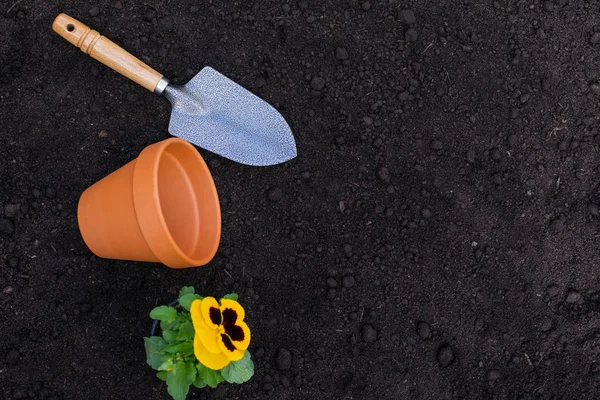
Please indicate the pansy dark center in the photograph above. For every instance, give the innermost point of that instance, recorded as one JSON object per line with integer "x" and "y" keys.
{"x": 229, "y": 316}
{"x": 227, "y": 342}
{"x": 215, "y": 315}
{"x": 236, "y": 333}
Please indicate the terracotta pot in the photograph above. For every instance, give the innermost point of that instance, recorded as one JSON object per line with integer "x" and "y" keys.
{"x": 161, "y": 207}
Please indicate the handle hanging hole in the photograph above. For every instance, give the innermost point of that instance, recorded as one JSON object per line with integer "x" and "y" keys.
{"x": 70, "y": 27}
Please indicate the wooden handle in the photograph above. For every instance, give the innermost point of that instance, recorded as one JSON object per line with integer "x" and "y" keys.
{"x": 105, "y": 51}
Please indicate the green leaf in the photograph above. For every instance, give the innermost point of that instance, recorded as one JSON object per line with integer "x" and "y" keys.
{"x": 239, "y": 371}
{"x": 154, "y": 350}
{"x": 170, "y": 336}
{"x": 231, "y": 296}
{"x": 211, "y": 377}
{"x": 186, "y": 331}
{"x": 180, "y": 379}
{"x": 162, "y": 375}
{"x": 187, "y": 299}
{"x": 167, "y": 365}
{"x": 199, "y": 382}
{"x": 185, "y": 347}
{"x": 173, "y": 326}
{"x": 164, "y": 313}
{"x": 186, "y": 290}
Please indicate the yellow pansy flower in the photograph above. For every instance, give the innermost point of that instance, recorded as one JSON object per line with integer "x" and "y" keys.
{"x": 221, "y": 335}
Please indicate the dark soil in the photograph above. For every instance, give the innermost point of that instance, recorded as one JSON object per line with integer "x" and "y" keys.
{"x": 435, "y": 238}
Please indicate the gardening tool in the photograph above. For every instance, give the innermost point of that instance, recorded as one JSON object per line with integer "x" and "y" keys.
{"x": 162, "y": 206}
{"x": 210, "y": 111}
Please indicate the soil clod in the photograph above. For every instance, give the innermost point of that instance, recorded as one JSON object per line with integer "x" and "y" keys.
{"x": 341, "y": 53}
{"x": 317, "y": 83}
{"x": 6, "y": 226}
{"x": 407, "y": 17}
{"x": 424, "y": 330}
{"x": 368, "y": 333}
{"x": 13, "y": 357}
{"x": 445, "y": 355}
{"x": 573, "y": 297}
{"x": 283, "y": 359}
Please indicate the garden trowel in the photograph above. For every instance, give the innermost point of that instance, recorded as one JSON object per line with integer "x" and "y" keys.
{"x": 210, "y": 111}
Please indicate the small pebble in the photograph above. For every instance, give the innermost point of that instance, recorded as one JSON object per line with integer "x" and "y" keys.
{"x": 436, "y": 145}
{"x": 259, "y": 352}
{"x": 10, "y": 210}
{"x": 366, "y": 6}
{"x": 331, "y": 282}
{"x": 563, "y": 145}
{"x": 573, "y": 297}
{"x": 94, "y": 11}
{"x": 552, "y": 290}
{"x": 348, "y": 281}
{"x": 546, "y": 84}
{"x": 368, "y": 333}
{"x": 595, "y": 39}
{"x": 407, "y": 17}
{"x": 549, "y": 5}
{"x": 260, "y": 82}
{"x": 404, "y": 95}
{"x": 411, "y": 35}
{"x": 445, "y": 356}
{"x": 496, "y": 154}
{"x": 545, "y": 324}
{"x": 341, "y": 53}
{"x": 317, "y": 83}
{"x": 471, "y": 156}
{"x": 493, "y": 374}
{"x": 558, "y": 224}
{"x": 588, "y": 120}
{"x": 424, "y": 330}
{"x": 150, "y": 15}
{"x": 426, "y": 213}
{"x": 384, "y": 174}
{"x": 595, "y": 88}
{"x": 283, "y": 359}
{"x": 593, "y": 209}
{"x": 50, "y": 193}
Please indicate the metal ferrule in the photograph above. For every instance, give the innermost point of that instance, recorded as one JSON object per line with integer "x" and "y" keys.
{"x": 161, "y": 86}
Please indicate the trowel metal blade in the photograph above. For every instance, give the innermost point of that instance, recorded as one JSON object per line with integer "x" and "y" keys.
{"x": 215, "y": 113}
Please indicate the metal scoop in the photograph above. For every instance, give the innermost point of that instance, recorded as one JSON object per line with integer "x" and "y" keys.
{"x": 210, "y": 111}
